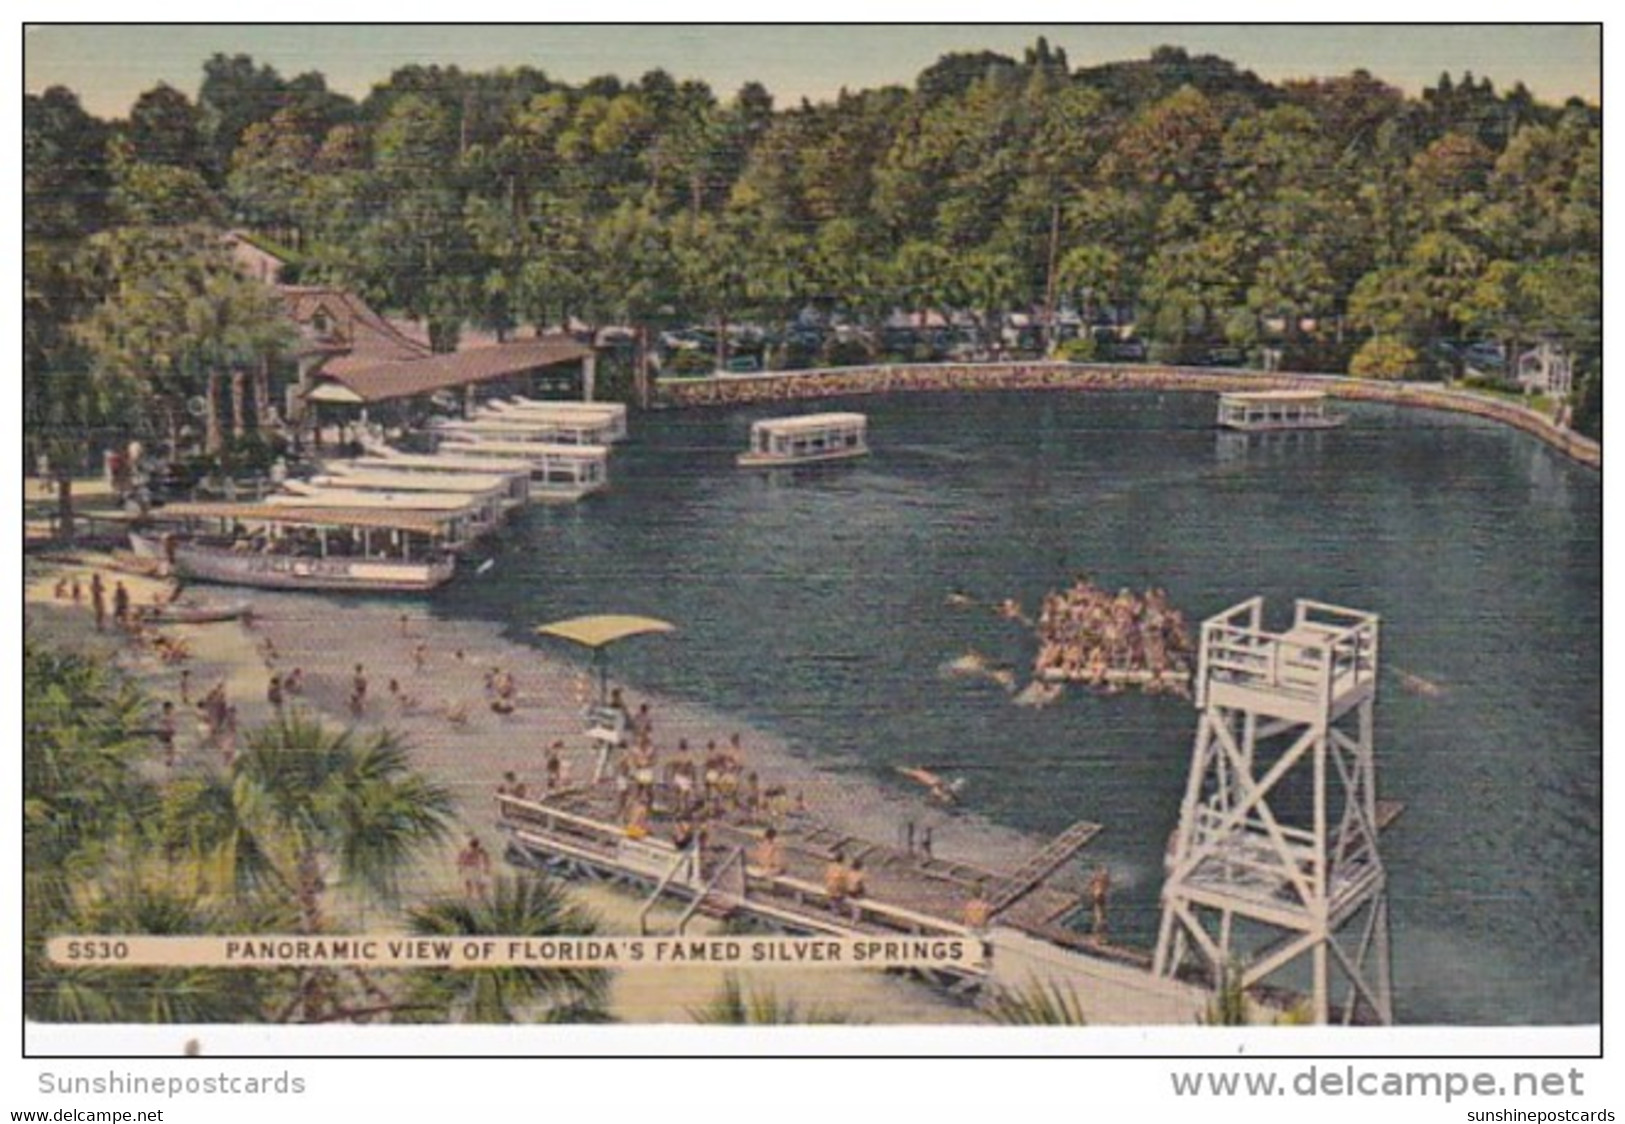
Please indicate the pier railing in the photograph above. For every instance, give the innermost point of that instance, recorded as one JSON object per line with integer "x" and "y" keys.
{"x": 1328, "y": 654}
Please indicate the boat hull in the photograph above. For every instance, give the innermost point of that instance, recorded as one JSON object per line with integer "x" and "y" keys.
{"x": 1332, "y": 422}
{"x": 768, "y": 460}
{"x": 280, "y": 571}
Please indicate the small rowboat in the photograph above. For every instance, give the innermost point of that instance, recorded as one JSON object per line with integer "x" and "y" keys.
{"x": 198, "y": 612}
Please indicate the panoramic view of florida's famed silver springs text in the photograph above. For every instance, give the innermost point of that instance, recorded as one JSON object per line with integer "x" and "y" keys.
{"x": 1047, "y": 529}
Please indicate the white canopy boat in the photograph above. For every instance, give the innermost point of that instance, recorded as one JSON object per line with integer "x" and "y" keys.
{"x": 288, "y": 548}
{"x": 809, "y": 439}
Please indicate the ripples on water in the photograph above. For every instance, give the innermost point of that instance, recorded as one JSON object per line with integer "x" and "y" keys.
{"x": 813, "y": 601}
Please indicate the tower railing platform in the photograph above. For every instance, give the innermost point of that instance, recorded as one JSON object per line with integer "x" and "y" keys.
{"x": 1326, "y": 661}
{"x": 1242, "y": 863}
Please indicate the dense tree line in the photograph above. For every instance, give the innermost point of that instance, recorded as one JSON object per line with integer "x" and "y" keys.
{"x": 1336, "y": 222}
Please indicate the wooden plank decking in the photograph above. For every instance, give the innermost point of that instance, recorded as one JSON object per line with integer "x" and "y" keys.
{"x": 904, "y": 892}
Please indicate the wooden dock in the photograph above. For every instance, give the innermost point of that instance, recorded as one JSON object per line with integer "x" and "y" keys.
{"x": 577, "y": 833}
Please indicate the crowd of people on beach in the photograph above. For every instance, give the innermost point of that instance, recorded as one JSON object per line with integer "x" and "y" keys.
{"x": 1089, "y": 635}
{"x": 117, "y": 609}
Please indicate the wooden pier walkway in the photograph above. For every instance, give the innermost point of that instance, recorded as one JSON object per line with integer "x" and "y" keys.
{"x": 577, "y": 833}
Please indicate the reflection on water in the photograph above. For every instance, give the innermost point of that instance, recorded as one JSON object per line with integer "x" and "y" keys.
{"x": 815, "y": 602}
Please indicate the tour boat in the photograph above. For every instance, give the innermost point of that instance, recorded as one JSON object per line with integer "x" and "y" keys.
{"x": 437, "y": 466}
{"x": 809, "y": 439}
{"x": 1265, "y": 411}
{"x": 472, "y": 515}
{"x": 514, "y": 409}
{"x": 557, "y": 472}
{"x": 554, "y": 429}
{"x": 366, "y": 551}
{"x": 482, "y": 487}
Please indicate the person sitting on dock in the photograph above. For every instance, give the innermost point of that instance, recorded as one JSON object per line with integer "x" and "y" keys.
{"x": 682, "y": 834}
{"x": 856, "y": 887}
{"x": 835, "y": 882}
{"x": 637, "y": 823}
{"x": 978, "y": 911}
{"x": 769, "y": 857}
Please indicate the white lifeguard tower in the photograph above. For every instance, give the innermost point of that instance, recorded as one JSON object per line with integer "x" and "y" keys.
{"x": 1275, "y": 857}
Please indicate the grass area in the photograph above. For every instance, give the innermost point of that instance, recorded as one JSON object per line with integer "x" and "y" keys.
{"x": 1540, "y": 403}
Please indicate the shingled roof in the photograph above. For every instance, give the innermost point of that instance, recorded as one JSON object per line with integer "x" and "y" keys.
{"x": 360, "y": 336}
{"x": 383, "y": 382}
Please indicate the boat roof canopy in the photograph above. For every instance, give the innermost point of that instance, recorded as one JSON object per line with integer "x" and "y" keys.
{"x": 812, "y": 421}
{"x": 383, "y": 480}
{"x": 465, "y": 445}
{"x": 1263, "y": 396}
{"x": 493, "y": 466}
{"x": 540, "y": 406}
{"x": 597, "y": 631}
{"x": 421, "y": 522}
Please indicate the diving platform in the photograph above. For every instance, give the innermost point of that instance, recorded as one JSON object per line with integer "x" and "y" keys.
{"x": 1325, "y": 662}
{"x": 1280, "y": 822}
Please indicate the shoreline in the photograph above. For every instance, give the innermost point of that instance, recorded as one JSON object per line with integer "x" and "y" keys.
{"x": 325, "y": 639}
{"x": 831, "y": 382}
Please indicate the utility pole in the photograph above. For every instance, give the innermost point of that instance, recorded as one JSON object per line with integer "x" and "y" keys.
{"x": 1049, "y": 277}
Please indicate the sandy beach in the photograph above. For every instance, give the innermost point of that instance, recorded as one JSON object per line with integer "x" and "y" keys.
{"x": 326, "y": 639}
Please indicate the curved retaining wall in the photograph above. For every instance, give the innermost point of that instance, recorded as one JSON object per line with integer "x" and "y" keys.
{"x": 902, "y": 378}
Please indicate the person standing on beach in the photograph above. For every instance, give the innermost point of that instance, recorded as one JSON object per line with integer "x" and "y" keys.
{"x": 555, "y": 766}
{"x": 420, "y": 656}
{"x": 358, "y": 692}
{"x": 121, "y": 603}
{"x": 273, "y": 692}
{"x": 474, "y": 864}
{"x": 98, "y": 601}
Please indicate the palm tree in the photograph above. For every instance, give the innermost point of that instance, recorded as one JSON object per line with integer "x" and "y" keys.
{"x": 738, "y": 1005}
{"x": 1228, "y": 1007}
{"x": 305, "y": 805}
{"x": 1037, "y": 1004}
{"x": 520, "y": 906}
{"x": 144, "y": 895}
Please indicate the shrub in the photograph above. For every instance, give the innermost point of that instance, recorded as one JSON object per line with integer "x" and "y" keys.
{"x": 1383, "y": 357}
{"x": 1080, "y": 350}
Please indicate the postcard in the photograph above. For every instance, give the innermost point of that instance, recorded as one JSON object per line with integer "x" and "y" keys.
{"x": 573, "y": 528}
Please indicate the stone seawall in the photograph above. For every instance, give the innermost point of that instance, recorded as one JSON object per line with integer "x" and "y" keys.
{"x": 907, "y": 378}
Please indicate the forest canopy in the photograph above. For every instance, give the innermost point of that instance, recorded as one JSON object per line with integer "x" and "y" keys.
{"x": 1336, "y": 221}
